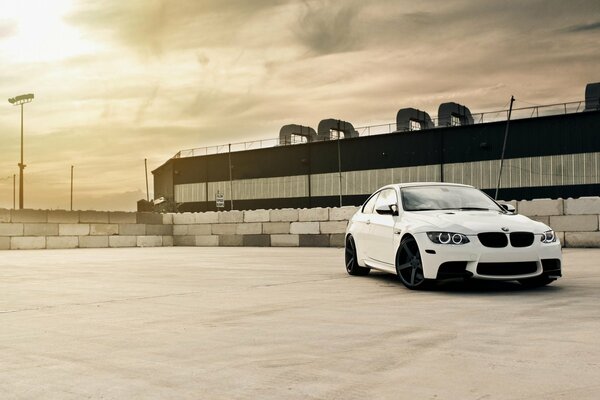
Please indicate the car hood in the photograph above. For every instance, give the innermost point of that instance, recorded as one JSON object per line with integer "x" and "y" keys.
{"x": 471, "y": 222}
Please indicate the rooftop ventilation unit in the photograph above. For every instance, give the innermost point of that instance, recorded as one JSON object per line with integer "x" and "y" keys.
{"x": 592, "y": 96}
{"x": 453, "y": 114}
{"x": 411, "y": 119}
{"x": 287, "y": 133}
{"x": 326, "y": 127}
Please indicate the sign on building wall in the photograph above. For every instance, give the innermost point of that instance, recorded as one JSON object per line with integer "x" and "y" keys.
{"x": 220, "y": 200}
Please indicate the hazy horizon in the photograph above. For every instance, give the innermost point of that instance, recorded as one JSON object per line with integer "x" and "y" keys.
{"x": 116, "y": 82}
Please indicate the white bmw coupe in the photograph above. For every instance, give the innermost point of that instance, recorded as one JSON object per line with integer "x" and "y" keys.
{"x": 432, "y": 231}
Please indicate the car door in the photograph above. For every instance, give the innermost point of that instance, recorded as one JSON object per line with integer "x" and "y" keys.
{"x": 361, "y": 222}
{"x": 381, "y": 229}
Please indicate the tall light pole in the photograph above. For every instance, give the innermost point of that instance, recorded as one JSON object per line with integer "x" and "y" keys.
{"x": 19, "y": 101}
{"x": 72, "y": 187}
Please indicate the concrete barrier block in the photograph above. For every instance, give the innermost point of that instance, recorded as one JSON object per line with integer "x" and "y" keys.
{"x": 313, "y": 214}
{"x": 333, "y": 226}
{"x": 231, "y": 240}
{"x": 93, "y": 241}
{"x": 40, "y": 230}
{"x": 248, "y": 228}
{"x": 210, "y": 217}
{"x": 541, "y": 207}
{"x": 132, "y": 229}
{"x": 561, "y": 237}
{"x": 276, "y": 227}
{"x": 63, "y": 217}
{"x": 184, "y": 240}
{"x": 342, "y": 213}
{"x": 314, "y": 240}
{"x": 284, "y": 215}
{"x": 256, "y": 216}
{"x": 574, "y": 223}
{"x": 93, "y": 217}
{"x": 199, "y": 229}
{"x": 167, "y": 241}
{"x": 121, "y": 217}
{"x": 149, "y": 218}
{"x": 285, "y": 240}
{"x": 298, "y": 228}
{"x": 27, "y": 242}
{"x": 167, "y": 219}
{"x": 582, "y": 205}
{"x": 257, "y": 240}
{"x": 184, "y": 219}
{"x": 4, "y": 216}
{"x": 223, "y": 229}
{"x": 31, "y": 216}
{"x": 4, "y": 243}
{"x": 159, "y": 230}
{"x": 149, "y": 241}
{"x": 207, "y": 240}
{"x": 62, "y": 242}
{"x": 73, "y": 229}
{"x": 543, "y": 220}
{"x": 122, "y": 241}
{"x": 228, "y": 217}
{"x": 180, "y": 230}
{"x": 582, "y": 239}
{"x": 337, "y": 240}
{"x": 11, "y": 229}
{"x": 104, "y": 229}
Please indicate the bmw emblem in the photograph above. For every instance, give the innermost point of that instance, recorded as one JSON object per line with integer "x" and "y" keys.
{"x": 505, "y": 229}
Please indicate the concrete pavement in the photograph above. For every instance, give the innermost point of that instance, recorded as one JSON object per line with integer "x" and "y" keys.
{"x": 275, "y": 323}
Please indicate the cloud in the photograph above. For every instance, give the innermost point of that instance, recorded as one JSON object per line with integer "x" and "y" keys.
{"x": 327, "y": 27}
{"x": 583, "y": 27}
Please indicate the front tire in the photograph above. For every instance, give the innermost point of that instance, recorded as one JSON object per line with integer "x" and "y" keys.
{"x": 409, "y": 265}
{"x": 352, "y": 266}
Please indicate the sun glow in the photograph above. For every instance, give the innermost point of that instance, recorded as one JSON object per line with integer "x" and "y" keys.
{"x": 36, "y": 31}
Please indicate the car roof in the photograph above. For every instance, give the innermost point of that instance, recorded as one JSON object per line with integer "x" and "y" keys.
{"x": 414, "y": 184}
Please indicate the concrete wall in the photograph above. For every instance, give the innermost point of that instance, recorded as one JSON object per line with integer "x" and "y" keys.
{"x": 576, "y": 221}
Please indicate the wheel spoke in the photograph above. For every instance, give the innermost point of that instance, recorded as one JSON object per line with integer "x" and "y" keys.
{"x": 407, "y": 250}
{"x": 404, "y": 266}
{"x": 350, "y": 263}
{"x": 412, "y": 275}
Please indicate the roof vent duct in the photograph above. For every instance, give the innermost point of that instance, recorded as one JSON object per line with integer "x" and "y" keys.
{"x": 453, "y": 114}
{"x": 411, "y": 119}
{"x": 287, "y": 134}
{"x": 592, "y": 96}
{"x": 327, "y": 126}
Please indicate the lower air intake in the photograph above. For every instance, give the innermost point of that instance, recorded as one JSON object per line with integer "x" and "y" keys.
{"x": 507, "y": 269}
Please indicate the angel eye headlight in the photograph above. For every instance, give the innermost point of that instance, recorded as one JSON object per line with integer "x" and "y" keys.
{"x": 548, "y": 237}
{"x": 447, "y": 238}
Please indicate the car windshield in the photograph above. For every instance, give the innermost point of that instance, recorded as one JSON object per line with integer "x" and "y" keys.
{"x": 424, "y": 198}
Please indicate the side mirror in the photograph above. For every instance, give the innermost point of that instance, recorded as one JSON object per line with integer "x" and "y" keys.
{"x": 390, "y": 209}
{"x": 509, "y": 208}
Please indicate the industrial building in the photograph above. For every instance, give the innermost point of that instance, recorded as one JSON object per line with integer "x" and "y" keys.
{"x": 552, "y": 151}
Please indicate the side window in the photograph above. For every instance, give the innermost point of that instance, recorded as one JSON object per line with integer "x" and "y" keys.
{"x": 370, "y": 204}
{"x": 386, "y": 197}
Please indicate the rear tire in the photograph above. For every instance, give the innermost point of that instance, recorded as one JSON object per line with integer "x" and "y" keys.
{"x": 536, "y": 282}
{"x": 352, "y": 266}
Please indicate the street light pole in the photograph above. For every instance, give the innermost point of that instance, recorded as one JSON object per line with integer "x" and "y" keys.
{"x": 71, "y": 187}
{"x": 19, "y": 101}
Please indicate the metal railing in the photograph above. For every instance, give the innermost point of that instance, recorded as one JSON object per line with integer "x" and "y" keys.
{"x": 533, "y": 111}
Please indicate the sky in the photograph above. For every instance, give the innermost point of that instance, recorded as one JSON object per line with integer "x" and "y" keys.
{"x": 117, "y": 81}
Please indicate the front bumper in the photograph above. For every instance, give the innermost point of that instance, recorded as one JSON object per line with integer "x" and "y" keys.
{"x": 472, "y": 254}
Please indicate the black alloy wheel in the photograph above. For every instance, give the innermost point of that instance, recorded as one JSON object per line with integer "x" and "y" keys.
{"x": 352, "y": 266}
{"x": 409, "y": 265}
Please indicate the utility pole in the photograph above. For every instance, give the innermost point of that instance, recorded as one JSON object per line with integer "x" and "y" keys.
{"x": 19, "y": 101}
{"x": 146, "y": 169}
{"x": 14, "y": 191}
{"x": 512, "y": 100}
{"x": 71, "y": 187}
{"x": 339, "y": 161}
{"x": 230, "y": 178}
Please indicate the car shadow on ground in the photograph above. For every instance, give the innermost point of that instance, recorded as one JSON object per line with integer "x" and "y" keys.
{"x": 469, "y": 286}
